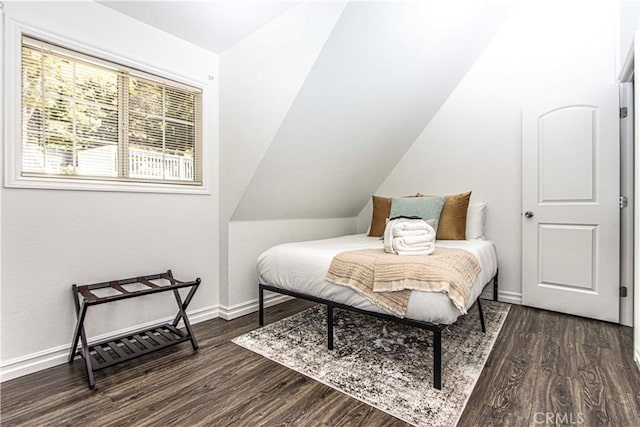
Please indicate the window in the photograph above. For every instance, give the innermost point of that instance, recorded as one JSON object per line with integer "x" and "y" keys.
{"x": 86, "y": 118}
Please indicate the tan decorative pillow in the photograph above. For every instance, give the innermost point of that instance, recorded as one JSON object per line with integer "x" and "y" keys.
{"x": 453, "y": 219}
{"x": 381, "y": 211}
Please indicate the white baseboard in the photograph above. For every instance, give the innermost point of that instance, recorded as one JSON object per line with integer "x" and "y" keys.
{"x": 510, "y": 297}
{"x": 202, "y": 314}
{"x": 44, "y": 359}
{"x": 251, "y": 306}
{"x": 55, "y": 356}
{"x": 636, "y": 357}
{"x": 503, "y": 296}
{"x": 33, "y": 362}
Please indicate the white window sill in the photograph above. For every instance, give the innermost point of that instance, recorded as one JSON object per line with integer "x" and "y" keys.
{"x": 93, "y": 185}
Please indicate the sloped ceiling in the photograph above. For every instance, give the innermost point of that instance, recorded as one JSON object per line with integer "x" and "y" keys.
{"x": 213, "y": 25}
{"x": 382, "y": 75}
{"x": 259, "y": 80}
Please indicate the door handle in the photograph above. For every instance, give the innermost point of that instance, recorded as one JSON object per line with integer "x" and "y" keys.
{"x": 528, "y": 214}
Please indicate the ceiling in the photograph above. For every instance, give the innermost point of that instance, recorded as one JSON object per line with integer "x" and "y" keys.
{"x": 213, "y": 25}
{"x": 383, "y": 73}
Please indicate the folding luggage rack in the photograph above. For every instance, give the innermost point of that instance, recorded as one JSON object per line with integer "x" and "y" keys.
{"x": 118, "y": 349}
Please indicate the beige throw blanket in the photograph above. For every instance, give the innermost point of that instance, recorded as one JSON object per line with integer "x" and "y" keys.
{"x": 387, "y": 279}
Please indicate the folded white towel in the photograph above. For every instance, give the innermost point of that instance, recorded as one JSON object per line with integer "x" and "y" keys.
{"x": 401, "y": 248}
{"x": 418, "y": 240}
{"x": 387, "y": 238}
{"x": 416, "y": 237}
{"x": 405, "y": 224}
{"x": 403, "y": 233}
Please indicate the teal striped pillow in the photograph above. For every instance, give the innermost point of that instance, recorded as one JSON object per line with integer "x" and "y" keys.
{"x": 423, "y": 207}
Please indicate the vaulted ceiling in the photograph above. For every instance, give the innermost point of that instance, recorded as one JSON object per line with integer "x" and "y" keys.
{"x": 320, "y": 100}
{"x": 382, "y": 75}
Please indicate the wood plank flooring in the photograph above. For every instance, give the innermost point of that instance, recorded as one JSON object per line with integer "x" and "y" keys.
{"x": 545, "y": 369}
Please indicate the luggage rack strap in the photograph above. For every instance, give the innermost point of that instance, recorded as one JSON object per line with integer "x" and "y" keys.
{"x": 122, "y": 293}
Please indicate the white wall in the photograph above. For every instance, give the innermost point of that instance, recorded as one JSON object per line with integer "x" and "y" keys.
{"x": 384, "y": 72}
{"x": 636, "y": 212}
{"x": 629, "y": 22}
{"x": 474, "y": 141}
{"x": 248, "y": 239}
{"x": 54, "y": 238}
{"x": 260, "y": 77}
{"x": 310, "y": 124}
{"x": 2, "y": 126}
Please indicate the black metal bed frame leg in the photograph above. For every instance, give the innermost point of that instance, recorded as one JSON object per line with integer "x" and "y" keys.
{"x": 437, "y": 359}
{"x": 260, "y": 305}
{"x": 495, "y": 286}
{"x": 481, "y": 315}
{"x": 330, "y": 326}
{"x": 436, "y": 329}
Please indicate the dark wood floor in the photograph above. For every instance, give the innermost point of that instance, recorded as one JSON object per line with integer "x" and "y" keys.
{"x": 545, "y": 369}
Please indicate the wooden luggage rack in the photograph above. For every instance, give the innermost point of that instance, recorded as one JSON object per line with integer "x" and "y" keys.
{"x": 106, "y": 353}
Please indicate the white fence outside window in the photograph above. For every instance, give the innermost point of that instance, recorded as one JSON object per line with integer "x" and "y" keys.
{"x": 102, "y": 161}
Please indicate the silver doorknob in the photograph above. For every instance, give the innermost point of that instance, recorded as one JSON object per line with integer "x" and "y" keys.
{"x": 528, "y": 214}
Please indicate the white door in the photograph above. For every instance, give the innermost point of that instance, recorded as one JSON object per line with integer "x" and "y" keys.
{"x": 570, "y": 221}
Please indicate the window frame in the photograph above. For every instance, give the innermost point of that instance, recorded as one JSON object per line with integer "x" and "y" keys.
{"x": 13, "y": 177}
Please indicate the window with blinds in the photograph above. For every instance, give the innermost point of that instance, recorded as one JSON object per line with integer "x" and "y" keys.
{"x": 83, "y": 117}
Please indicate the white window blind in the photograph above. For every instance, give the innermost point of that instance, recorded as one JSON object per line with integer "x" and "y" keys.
{"x": 83, "y": 117}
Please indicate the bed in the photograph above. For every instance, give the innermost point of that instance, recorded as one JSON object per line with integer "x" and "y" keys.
{"x": 299, "y": 270}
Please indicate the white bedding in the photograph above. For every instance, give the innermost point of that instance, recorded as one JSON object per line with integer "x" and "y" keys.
{"x": 302, "y": 267}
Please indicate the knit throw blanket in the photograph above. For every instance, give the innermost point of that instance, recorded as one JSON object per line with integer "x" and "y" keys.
{"x": 388, "y": 279}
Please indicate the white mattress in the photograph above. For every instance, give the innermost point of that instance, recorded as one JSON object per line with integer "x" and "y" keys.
{"x": 302, "y": 267}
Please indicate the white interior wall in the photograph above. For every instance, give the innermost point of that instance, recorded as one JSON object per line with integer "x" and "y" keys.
{"x": 384, "y": 72}
{"x": 365, "y": 82}
{"x": 248, "y": 239}
{"x": 636, "y": 234}
{"x": 55, "y": 238}
{"x": 260, "y": 77}
{"x": 2, "y": 18}
{"x": 474, "y": 141}
{"x": 628, "y": 22}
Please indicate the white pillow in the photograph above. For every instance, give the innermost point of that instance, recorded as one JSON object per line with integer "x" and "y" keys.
{"x": 476, "y": 214}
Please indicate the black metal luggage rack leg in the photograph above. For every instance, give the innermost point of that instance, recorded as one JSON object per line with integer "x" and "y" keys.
{"x": 109, "y": 352}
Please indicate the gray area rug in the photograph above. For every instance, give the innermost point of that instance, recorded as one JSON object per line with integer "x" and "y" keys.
{"x": 385, "y": 364}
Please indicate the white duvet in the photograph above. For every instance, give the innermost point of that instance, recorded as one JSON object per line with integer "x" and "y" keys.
{"x": 302, "y": 267}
